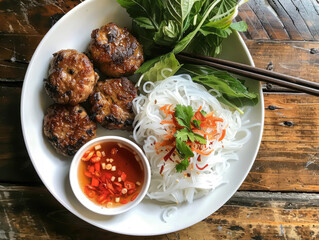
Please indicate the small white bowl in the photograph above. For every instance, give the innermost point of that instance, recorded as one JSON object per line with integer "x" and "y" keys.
{"x": 90, "y": 204}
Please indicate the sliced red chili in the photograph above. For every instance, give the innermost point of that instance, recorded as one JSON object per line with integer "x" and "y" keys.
{"x": 95, "y": 159}
{"x": 95, "y": 182}
{"x": 201, "y": 168}
{"x": 162, "y": 168}
{"x": 90, "y": 193}
{"x": 129, "y": 192}
{"x": 124, "y": 201}
{"x": 88, "y": 174}
{"x": 102, "y": 197}
{"x": 97, "y": 166}
{"x": 168, "y": 155}
{"x": 91, "y": 169}
{"x": 123, "y": 176}
{"x": 129, "y": 185}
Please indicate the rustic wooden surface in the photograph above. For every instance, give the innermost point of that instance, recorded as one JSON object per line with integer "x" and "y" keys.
{"x": 280, "y": 197}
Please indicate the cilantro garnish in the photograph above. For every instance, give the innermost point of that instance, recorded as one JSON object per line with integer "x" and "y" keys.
{"x": 184, "y": 115}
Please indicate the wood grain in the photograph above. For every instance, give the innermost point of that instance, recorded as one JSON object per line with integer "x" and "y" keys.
{"x": 292, "y": 58}
{"x": 281, "y": 19}
{"x": 289, "y": 152}
{"x": 27, "y": 17}
{"x": 32, "y": 213}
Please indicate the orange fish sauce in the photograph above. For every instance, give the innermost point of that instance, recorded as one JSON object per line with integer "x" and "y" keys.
{"x": 110, "y": 174}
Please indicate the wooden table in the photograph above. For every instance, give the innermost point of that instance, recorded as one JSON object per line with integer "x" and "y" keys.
{"x": 278, "y": 200}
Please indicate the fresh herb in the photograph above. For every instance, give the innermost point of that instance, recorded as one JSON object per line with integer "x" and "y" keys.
{"x": 177, "y": 25}
{"x": 230, "y": 90}
{"x": 194, "y": 26}
{"x": 184, "y": 116}
{"x": 166, "y": 66}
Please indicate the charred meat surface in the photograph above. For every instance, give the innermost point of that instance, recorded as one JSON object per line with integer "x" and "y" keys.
{"x": 71, "y": 77}
{"x": 68, "y": 128}
{"x": 115, "y": 51}
{"x": 111, "y": 103}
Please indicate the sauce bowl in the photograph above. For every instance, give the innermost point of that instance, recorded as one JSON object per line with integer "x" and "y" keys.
{"x": 81, "y": 187}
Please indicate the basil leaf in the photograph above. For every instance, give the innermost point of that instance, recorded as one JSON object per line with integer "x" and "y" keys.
{"x": 144, "y": 22}
{"x": 168, "y": 34}
{"x": 222, "y": 16}
{"x": 209, "y": 45}
{"x": 179, "y": 11}
{"x": 233, "y": 92}
{"x": 187, "y": 39}
{"x": 150, "y": 9}
{"x": 225, "y": 83}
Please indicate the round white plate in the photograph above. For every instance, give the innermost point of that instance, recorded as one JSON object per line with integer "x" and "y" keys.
{"x": 73, "y": 31}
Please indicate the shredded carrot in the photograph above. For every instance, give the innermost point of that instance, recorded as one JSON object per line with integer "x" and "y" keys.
{"x": 166, "y": 122}
{"x": 223, "y": 135}
{"x": 207, "y": 128}
{"x": 167, "y": 109}
{"x": 202, "y": 152}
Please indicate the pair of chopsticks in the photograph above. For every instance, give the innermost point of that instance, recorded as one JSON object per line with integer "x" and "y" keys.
{"x": 254, "y": 73}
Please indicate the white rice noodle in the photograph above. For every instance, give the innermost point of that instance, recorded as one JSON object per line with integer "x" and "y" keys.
{"x": 169, "y": 185}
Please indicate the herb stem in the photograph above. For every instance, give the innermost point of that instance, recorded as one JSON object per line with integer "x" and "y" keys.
{"x": 186, "y": 40}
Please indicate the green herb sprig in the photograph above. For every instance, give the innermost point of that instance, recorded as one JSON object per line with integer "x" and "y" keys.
{"x": 184, "y": 115}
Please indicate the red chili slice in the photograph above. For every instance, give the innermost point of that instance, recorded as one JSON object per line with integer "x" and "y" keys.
{"x": 109, "y": 186}
{"x": 129, "y": 192}
{"x": 102, "y": 197}
{"x": 97, "y": 166}
{"x": 91, "y": 169}
{"x": 88, "y": 174}
{"x": 108, "y": 175}
{"x": 123, "y": 176}
{"x": 95, "y": 182}
{"x": 95, "y": 159}
{"x": 201, "y": 168}
{"x": 124, "y": 201}
{"x": 129, "y": 185}
{"x": 90, "y": 193}
{"x": 118, "y": 184}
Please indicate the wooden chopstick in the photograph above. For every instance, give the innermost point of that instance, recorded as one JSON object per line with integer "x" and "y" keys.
{"x": 259, "y": 74}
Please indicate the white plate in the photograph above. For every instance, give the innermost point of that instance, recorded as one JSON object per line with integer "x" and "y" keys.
{"x": 73, "y": 31}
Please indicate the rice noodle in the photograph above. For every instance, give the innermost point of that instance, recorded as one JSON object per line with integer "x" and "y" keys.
{"x": 168, "y": 185}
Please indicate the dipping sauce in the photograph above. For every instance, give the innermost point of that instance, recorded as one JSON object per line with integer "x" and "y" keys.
{"x": 110, "y": 174}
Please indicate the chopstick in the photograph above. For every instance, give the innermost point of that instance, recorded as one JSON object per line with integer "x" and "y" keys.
{"x": 254, "y": 73}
